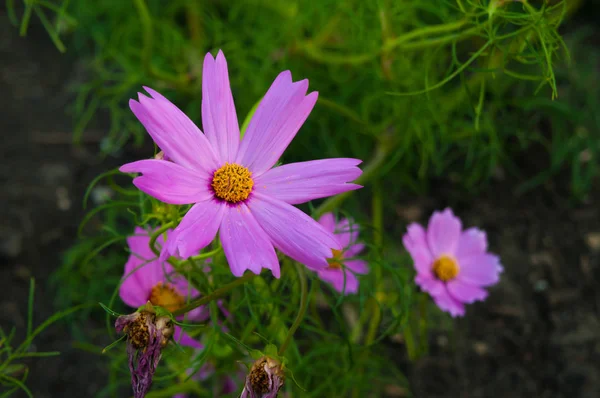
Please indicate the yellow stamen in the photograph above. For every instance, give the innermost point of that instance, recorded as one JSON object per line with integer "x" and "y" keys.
{"x": 232, "y": 183}
{"x": 445, "y": 268}
{"x": 166, "y": 296}
{"x": 335, "y": 262}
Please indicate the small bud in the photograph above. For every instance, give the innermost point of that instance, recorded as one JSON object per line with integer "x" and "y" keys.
{"x": 147, "y": 335}
{"x": 264, "y": 380}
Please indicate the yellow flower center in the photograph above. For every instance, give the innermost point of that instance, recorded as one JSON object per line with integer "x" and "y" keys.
{"x": 335, "y": 262}
{"x": 232, "y": 183}
{"x": 445, "y": 268}
{"x": 166, "y": 296}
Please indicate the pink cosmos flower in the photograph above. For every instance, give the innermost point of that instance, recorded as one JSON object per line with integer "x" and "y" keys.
{"x": 232, "y": 182}
{"x": 340, "y": 272}
{"x": 452, "y": 265}
{"x": 155, "y": 281}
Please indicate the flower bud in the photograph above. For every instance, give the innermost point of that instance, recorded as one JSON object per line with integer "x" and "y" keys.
{"x": 264, "y": 380}
{"x": 147, "y": 335}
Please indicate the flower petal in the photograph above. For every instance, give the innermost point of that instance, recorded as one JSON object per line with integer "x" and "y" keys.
{"x": 327, "y": 220}
{"x": 218, "y": 110}
{"x": 415, "y": 242}
{"x": 479, "y": 270}
{"x": 179, "y": 138}
{"x": 473, "y": 241}
{"x": 358, "y": 266}
{"x": 276, "y": 121}
{"x": 448, "y": 304}
{"x": 196, "y": 230}
{"x": 347, "y": 232}
{"x": 181, "y": 337}
{"x": 142, "y": 270}
{"x": 429, "y": 284}
{"x": 170, "y": 182}
{"x": 293, "y": 232}
{"x": 343, "y": 281}
{"x": 245, "y": 244}
{"x": 466, "y": 293}
{"x": 354, "y": 250}
{"x": 443, "y": 232}
{"x": 301, "y": 182}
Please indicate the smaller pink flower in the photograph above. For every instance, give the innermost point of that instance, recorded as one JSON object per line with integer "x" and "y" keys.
{"x": 146, "y": 278}
{"x": 452, "y": 265}
{"x": 340, "y": 272}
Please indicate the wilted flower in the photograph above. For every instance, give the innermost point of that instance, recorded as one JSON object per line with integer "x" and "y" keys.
{"x": 452, "y": 265}
{"x": 147, "y": 334}
{"x": 232, "y": 182}
{"x": 264, "y": 380}
{"x": 149, "y": 279}
{"x": 341, "y": 269}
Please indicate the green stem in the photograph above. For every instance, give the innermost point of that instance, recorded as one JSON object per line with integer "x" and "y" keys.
{"x": 155, "y": 236}
{"x": 301, "y": 312}
{"x": 215, "y": 294}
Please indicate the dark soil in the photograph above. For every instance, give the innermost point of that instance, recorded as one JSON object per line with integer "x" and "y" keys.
{"x": 538, "y": 334}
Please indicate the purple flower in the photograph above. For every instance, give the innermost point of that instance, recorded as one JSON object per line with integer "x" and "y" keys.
{"x": 147, "y": 335}
{"x": 340, "y": 272}
{"x": 264, "y": 380}
{"x": 452, "y": 265}
{"x": 156, "y": 281}
{"x": 232, "y": 182}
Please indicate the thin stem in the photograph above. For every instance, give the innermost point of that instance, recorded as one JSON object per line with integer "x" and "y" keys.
{"x": 301, "y": 312}
{"x": 215, "y": 294}
{"x": 155, "y": 236}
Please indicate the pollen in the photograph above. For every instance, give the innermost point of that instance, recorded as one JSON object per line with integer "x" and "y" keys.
{"x": 259, "y": 379}
{"x": 445, "y": 268}
{"x": 335, "y": 262}
{"x": 138, "y": 332}
{"x": 165, "y": 295}
{"x": 232, "y": 183}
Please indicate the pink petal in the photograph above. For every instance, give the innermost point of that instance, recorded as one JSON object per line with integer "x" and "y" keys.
{"x": 471, "y": 242}
{"x": 464, "y": 292}
{"x": 443, "y": 232}
{"x": 301, "y": 182}
{"x": 429, "y": 284}
{"x": 358, "y": 266}
{"x": 327, "y": 220}
{"x": 415, "y": 242}
{"x": 174, "y": 132}
{"x": 448, "y": 304}
{"x": 245, "y": 244}
{"x": 142, "y": 270}
{"x": 342, "y": 281}
{"x": 354, "y": 250}
{"x": 479, "y": 270}
{"x": 293, "y": 232}
{"x": 170, "y": 182}
{"x": 347, "y": 233}
{"x": 185, "y": 339}
{"x": 276, "y": 121}
{"x": 196, "y": 230}
{"x": 218, "y": 111}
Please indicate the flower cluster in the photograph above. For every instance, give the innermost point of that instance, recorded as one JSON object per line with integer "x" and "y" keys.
{"x": 237, "y": 190}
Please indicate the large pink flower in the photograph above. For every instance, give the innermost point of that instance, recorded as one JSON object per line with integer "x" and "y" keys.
{"x": 232, "y": 182}
{"x": 342, "y": 268}
{"x": 452, "y": 265}
{"x": 146, "y": 278}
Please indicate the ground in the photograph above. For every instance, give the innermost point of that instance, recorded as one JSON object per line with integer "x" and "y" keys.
{"x": 538, "y": 334}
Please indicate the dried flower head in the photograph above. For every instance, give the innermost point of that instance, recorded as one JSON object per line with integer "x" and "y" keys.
{"x": 264, "y": 380}
{"x": 147, "y": 334}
